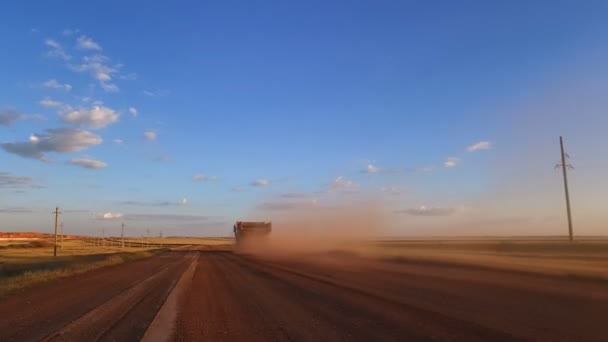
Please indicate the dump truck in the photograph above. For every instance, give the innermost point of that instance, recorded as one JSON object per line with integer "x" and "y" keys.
{"x": 251, "y": 231}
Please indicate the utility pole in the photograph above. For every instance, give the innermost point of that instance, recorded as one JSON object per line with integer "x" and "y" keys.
{"x": 56, "y": 221}
{"x": 62, "y": 236}
{"x": 122, "y": 236}
{"x": 564, "y": 168}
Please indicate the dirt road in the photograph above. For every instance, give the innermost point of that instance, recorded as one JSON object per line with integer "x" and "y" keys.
{"x": 223, "y": 296}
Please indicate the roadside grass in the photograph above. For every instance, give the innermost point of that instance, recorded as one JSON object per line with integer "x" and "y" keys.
{"x": 587, "y": 258}
{"x": 21, "y": 267}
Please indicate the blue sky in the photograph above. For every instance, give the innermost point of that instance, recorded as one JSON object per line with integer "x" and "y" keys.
{"x": 188, "y": 115}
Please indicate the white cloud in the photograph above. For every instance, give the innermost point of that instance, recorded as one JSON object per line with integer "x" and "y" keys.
{"x": 154, "y": 93}
{"x": 97, "y": 117}
{"x": 108, "y": 216}
{"x": 133, "y": 111}
{"x": 109, "y": 87}
{"x": 100, "y": 69}
{"x": 184, "y": 201}
{"x": 482, "y": 145}
{"x": 88, "y": 163}
{"x": 260, "y": 182}
{"x": 451, "y": 162}
{"x": 428, "y": 211}
{"x": 63, "y": 140}
{"x": 372, "y": 169}
{"x": 342, "y": 184}
{"x": 56, "y": 51}
{"x": 150, "y": 135}
{"x": 48, "y": 102}
{"x": 53, "y": 84}
{"x": 119, "y": 141}
{"x": 201, "y": 178}
{"x": 86, "y": 43}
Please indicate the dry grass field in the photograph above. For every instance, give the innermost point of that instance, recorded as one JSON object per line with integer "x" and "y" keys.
{"x": 586, "y": 257}
{"x": 24, "y": 263}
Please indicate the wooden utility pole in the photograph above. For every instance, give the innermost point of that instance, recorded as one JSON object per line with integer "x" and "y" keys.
{"x": 565, "y": 168}
{"x": 122, "y": 236}
{"x": 56, "y": 221}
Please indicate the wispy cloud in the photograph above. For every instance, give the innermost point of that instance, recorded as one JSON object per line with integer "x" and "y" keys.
{"x": 108, "y": 216}
{"x": 15, "y": 210}
{"x": 181, "y": 202}
{"x": 55, "y": 50}
{"x": 287, "y": 205}
{"x": 97, "y": 117}
{"x": 238, "y": 189}
{"x": 202, "y": 178}
{"x": 69, "y": 32}
{"x": 260, "y": 182}
{"x": 54, "y": 84}
{"x": 150, "y": 135}
{"x": 451, "y": 162}
{"x": 372, "y": 169}
{"x": 88, "y": 163}
{"x": 295, "y": 195}
{"x": 482, "y": 145}
{"x": 155, "y": 93}
{"x": 428, "y": 211}
{"x": 86, "y": 43}
{"x": 48, "y": 102}
{"x": 99, "y": 67}
{"x": 118, "y": 141}
{"x": 10, "y": 181}
{"x": 169, "y": 217}
{"x": 341, "y": 183}
{"x": 392, "y": 190}
{"x": 9, "y": 117}
{"x": 62, "y": 140}
{"x": 133, "y": 111}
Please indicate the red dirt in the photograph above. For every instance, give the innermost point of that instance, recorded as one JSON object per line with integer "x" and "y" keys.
{"x": 233, "y": 297}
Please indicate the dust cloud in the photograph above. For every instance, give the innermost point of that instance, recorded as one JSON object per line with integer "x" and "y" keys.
{"x": 314, "y": 230}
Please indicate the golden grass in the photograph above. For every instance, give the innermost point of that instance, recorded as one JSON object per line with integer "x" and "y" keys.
{"x": 22, "y": 266}
{"x": 583, "y": 259}
{"x": 23, "y": 275}
{"x": 70, "y": 248}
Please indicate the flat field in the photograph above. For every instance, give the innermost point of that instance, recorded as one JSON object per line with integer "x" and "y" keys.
{"x": 586, "y": 257}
